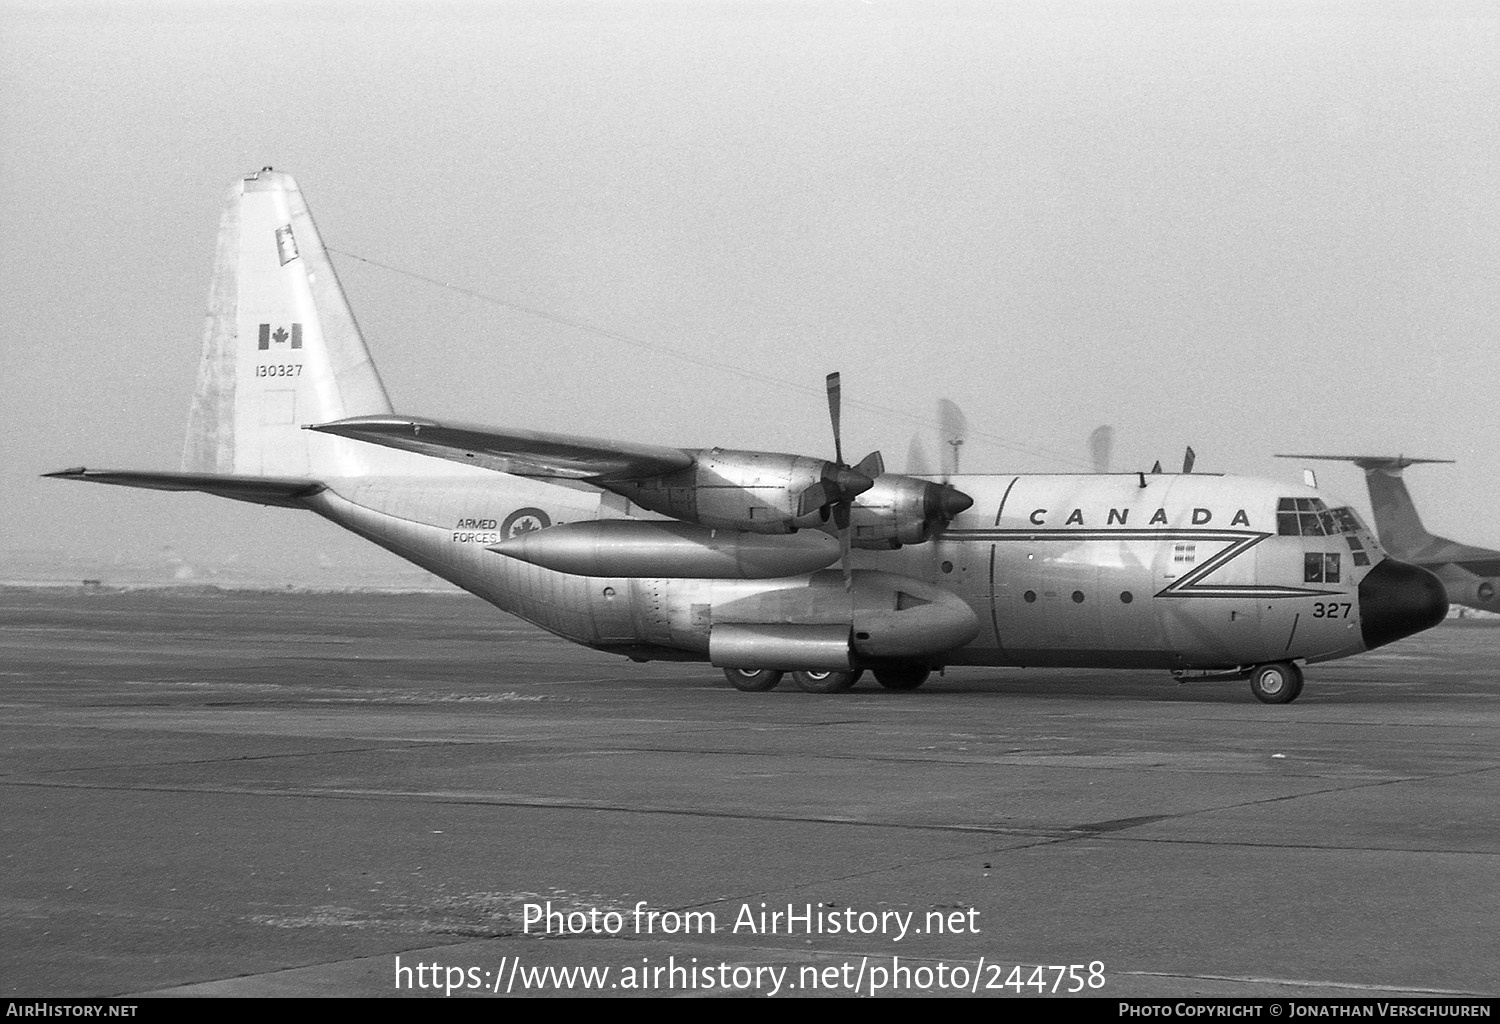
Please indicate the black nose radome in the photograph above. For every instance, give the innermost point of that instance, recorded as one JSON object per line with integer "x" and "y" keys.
{"x": 1397, "y": 600}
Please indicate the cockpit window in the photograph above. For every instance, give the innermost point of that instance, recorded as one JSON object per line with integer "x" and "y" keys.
{"x": 1304, "y": 517}
{"x": 1349, "y": 521}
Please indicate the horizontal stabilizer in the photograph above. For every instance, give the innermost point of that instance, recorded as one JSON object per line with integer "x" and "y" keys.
{"x": 1368, "y": 462}
{"x": 286, "y": 492}
{"x": 518, "y": 452}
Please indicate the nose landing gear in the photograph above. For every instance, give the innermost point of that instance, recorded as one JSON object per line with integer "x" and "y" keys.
{"x": 1278, "y": 682}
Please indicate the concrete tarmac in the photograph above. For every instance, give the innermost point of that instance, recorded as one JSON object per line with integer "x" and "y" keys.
{"x": 212, "y": 793}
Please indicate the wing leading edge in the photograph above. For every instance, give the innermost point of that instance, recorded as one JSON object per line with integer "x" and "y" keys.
{"x": 517, "y": 452}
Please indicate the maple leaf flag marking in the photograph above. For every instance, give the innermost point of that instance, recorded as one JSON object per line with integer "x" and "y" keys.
{"x": 279, "y": 336}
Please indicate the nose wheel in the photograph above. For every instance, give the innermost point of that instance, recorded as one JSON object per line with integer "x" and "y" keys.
{"x": 1276, "y": 683}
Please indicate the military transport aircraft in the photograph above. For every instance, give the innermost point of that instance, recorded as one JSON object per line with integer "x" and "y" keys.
{"x": 1470, "y": 575}
{"x": 755, "y": 562}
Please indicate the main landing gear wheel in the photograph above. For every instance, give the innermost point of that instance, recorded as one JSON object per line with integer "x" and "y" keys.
{"x": 1277, "y": 683}
{"x": 902, "y": 677}
{"x": 752, "y": 680}
{"x": 825, "y": 682}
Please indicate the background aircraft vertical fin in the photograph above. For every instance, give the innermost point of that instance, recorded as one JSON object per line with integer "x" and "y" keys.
{"x": 1396, "y": 520}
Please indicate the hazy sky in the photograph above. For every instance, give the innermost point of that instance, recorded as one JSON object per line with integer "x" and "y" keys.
{"x": 1249, "y": 227}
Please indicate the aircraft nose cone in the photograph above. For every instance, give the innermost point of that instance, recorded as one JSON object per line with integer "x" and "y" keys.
{"x": 1397, "y": 600}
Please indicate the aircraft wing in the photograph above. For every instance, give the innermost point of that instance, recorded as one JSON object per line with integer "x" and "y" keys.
{"x": 286, "y": 492}
{"x": 518, "y": 452}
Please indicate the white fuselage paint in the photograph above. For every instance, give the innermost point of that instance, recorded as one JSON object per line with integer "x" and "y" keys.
{"x": 1045, "y": 563}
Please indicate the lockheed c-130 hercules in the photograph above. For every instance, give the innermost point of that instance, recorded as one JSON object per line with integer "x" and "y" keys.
{"x": 761, "y": 563}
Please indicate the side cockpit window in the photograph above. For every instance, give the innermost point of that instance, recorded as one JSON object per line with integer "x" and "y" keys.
{"x": 1320, "y": 568}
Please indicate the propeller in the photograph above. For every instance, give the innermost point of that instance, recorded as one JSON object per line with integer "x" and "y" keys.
{"x": 943, "y": 502}
{"x": 1101, "y": 447}
{"x": 916, "y": 459}
{"x": 953, "y": 429}
{"x": 841, "y": 483}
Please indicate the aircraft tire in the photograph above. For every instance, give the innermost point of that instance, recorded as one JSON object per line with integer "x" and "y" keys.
{"x": 825, "y": 682}
{"x": 902, "y": 677}
{"x": 753, "y": 680}
{"x": 1277, "y": 682}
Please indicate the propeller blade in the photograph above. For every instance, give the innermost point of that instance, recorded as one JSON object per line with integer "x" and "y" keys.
{"x": 871, "y": 465}
{"x": 841, "y": 520}
{"x": 953, "y": 427}
{"x": 834, "y": 402}
{"x": 1101, "y": 447}
{"x": 812, "y": 499}
{"x": 916, "y": 459}
{"x": 1188, "y": 459}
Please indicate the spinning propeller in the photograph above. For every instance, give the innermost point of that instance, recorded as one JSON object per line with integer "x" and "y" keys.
{"x": 942, "y": 502}
{"x": 953, "y": 430}
{"x": 1101, "y": 447}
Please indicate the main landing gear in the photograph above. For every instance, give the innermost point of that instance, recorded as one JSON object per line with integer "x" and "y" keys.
{"x": 902, "y": 677}
{"x": 752, "y": 680}
{"x": 1276, "y": 683}
{"x": 826, "y": 682}
{"x": 891, "y": 677}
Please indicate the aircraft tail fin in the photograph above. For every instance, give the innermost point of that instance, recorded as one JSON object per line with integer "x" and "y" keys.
{"x": 1396, "y": 520}
{"x": 280, "y": 347}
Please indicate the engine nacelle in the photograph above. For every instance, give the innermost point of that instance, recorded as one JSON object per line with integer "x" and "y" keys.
{"x": 1466, "y": 588}
{"x": 763, "y": 492}
{"x": 901, "y": 510}
{"x": 756, "y": 491}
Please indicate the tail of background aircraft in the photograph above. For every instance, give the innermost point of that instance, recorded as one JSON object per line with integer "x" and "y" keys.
{"x": 1396, "y": 520}
{"x": 280, "y": 347}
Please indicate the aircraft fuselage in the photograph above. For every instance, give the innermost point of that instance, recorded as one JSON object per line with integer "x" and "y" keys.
{"x": 1176, "y": 572}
